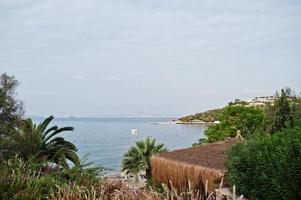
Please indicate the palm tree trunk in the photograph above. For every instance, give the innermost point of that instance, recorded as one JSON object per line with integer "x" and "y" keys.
{"x": 136, "y": 178}
{"x": 148, "y": 173}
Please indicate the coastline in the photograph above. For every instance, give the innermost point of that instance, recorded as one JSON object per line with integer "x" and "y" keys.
{"x": 193, "y": 122}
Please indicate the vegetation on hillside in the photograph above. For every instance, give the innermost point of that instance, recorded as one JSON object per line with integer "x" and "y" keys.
{"x": 234, "y": 118}
{"x": 240, "y": 117}
{"x": 208, "y": 116}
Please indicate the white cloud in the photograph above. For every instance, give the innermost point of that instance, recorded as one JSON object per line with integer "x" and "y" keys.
{"x": 78, "y": 76}
{"x": 112, "y": 78}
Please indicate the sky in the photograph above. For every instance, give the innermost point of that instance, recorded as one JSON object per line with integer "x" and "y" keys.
{"x": 147, "y": 58}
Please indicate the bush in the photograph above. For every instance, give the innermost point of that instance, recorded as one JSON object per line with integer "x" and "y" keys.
{"x": 20, "y": 180}
{"x": 30, "y": 180}
{"x": 234, "y": 118}
{"x": 84, "y": 174}
{"x": 267, "y": 167}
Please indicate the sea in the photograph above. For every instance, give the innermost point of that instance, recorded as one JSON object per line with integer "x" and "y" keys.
{"x": 104, "y": 141}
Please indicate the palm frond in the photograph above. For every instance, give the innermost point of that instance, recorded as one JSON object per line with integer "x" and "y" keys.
{"x": 54, "y": 128}
{"x": 58, "y": 131}
{"x": 42, "y": 126}
{"x": 137, "y": 158}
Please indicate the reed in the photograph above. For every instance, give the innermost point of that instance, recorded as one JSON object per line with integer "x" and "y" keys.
{"x": 180, "y": 174}
{"x": 201, "y": 166}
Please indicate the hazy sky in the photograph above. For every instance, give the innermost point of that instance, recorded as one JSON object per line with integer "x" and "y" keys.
{"x": 148, "y": 57}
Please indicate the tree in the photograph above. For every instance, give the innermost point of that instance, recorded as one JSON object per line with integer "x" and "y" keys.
{"x": 269, "y": 115}
{"x": 138, "y": 157}
{"x": 39, "y": 141}
{"x": 236, "y": 117}
{"x": 297, "y": 115}
{"x": 11, "y": 110}
{"x": 284, "y": 117}
{"x": 267, "y": 166}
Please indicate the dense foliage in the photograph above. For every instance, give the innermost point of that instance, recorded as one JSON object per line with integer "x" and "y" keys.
{"x": 41, "y": 142}
{"x": 268, "y": 164}
{"x": 297, "y": 111}
{"x": 235, "y": 118}
{"x": 137, "y": 158}
{"x": 22, "y": 180}
{"x": 240, "y": 117}
{"x": 267, "y": 167}
{"x": 284, "y": 113}
{"x": 11, "y": 110}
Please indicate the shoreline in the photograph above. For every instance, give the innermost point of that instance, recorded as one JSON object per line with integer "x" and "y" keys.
{"x": 193, "y": 122}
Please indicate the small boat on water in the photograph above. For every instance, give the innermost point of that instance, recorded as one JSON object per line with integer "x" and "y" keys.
{"x": 134, "y": 131}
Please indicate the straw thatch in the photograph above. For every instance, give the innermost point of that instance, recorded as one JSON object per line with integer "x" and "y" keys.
{"x": 195, "y": 164}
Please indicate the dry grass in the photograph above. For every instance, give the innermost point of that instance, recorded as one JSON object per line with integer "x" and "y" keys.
{"x": 117, "y": 191}
{"x": 100, "y": 191}
{"x": 196, "y": 164}
{"x": 110, "y": 190}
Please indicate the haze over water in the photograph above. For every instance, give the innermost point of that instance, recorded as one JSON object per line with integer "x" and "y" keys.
{"x": 105, "y": 140}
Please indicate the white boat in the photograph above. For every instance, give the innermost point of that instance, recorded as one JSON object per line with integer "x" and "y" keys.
{"x": 134, "y": 131}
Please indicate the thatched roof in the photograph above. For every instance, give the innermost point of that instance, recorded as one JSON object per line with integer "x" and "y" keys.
{"x": 196, "y": 164}
{"x": 210, "y": 155}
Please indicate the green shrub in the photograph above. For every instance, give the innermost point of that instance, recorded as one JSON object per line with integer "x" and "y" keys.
{"x": 23, "y": 180}
{"x": 234, "y": 118}
{"x": 267, "y": 167}
{"x": 30, "y": 180}
{"x": 84, "y": 174}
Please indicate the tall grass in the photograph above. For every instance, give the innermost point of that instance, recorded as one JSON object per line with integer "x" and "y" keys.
{"x": 19, "y": 180}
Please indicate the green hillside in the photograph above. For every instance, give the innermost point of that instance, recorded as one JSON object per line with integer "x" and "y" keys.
{"x": 207, "y": 116}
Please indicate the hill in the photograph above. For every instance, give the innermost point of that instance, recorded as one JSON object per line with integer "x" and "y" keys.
{"x": 207, "y": 116}
{"x": 211, "y": 116}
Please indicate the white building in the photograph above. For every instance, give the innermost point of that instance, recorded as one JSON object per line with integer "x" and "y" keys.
{"x": 261, "y": 101}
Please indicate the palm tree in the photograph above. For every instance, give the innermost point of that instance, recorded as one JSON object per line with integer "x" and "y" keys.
{"x": 39, "y": 141}
{"x": 138, "y": 157}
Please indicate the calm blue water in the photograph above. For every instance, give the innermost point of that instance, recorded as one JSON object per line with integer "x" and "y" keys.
{"x": 106, "y": 140}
